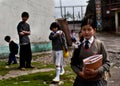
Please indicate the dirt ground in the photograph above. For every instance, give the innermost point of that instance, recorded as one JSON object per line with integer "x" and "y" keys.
{"x": 112, "y": 44}
{"x": 115, "y": 79}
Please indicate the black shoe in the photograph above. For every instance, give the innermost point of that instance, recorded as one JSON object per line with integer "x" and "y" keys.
{"x": 21, "y": 68}
{"x": 53, "y": 82}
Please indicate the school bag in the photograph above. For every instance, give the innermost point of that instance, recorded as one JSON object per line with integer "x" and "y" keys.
{"x": 16, "y": 48}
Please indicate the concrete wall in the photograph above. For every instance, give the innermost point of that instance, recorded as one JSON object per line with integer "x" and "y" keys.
{"x": 41, "y": 15}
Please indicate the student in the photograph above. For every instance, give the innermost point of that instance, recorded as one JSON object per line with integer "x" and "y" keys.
{"x": 13, "y": 47}
{"x": 23, "y": 29}
{"x": 58, "y": 42}
{"x": 73, "y": 36}
{"x": 81, "y": 38}
{"x": 92, "y": 47}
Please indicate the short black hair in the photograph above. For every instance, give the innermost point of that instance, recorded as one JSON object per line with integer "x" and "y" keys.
{"x": 88, "y": 21}
{"x": 54, "y": 25}
{"x": 7, "y": 38}
{"x": 25, "y": 14}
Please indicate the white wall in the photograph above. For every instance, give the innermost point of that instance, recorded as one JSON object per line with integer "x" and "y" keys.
{"x": 41, "y": 15}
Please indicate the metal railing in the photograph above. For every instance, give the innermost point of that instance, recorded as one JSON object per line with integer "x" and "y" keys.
{"x": 71, "y": 13}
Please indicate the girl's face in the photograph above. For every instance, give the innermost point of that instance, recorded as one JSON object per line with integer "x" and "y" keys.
{"x": 87, "y": 31}
{"x": 54, "y": 29}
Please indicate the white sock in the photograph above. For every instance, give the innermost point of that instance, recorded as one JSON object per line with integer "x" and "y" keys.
{"x": 58, "y": 72}
{"x": 62, "y": 70}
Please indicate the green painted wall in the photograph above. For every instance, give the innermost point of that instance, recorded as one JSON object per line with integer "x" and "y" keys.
{"x": 36, "y": 47}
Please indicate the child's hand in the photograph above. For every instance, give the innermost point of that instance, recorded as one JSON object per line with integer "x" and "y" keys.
{"x": 21, "y": 33}
{"x": 88, "y": 73}
{"x": 26, "y": 32}
{"x": 59, "y": 33}
{"x": 82, "y": 74}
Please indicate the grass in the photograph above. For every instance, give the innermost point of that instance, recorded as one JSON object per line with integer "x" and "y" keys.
{"x": 36, "y": 79}
{"x": 4, "y": 70}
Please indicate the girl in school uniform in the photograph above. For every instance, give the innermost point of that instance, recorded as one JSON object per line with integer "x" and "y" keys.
{"x": 89, "y": 46}
{"x": 58, "y": 39}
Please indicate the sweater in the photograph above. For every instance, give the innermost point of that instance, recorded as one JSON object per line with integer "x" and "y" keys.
{"x": 80, "y": 53}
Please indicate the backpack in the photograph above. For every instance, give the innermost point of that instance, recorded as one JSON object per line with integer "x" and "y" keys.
{"x": 15, "y": 48}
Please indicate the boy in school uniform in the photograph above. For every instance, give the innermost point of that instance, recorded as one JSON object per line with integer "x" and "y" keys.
{"x": 58, "y": 39}
{"x": 89, "y": 46}
{"x": 13, "y": 47}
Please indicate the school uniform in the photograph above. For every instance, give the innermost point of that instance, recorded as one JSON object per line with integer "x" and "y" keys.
{"x": 57, "y": 47}
{"x": 58, "y": 42}
{"x": 95, "y": 46}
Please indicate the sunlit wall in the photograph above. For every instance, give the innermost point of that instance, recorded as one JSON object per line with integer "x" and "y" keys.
{"x": 41, "y": 15}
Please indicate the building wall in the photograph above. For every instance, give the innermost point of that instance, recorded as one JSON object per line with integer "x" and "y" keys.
{"x": 41, "y": 15}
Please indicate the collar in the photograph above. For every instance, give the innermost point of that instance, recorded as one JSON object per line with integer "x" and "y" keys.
{"x": 90, "y": 40}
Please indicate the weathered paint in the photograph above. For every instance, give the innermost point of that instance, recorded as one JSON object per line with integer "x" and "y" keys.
{"x": 36, "y": 47}
{"x": 41, "y": 47}
{"x": 41, "y": 15}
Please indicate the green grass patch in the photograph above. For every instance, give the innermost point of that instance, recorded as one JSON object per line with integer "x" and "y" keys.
{"x": 4, "y": 68}
{"x": 40, "y": 79}
{"x": 41, "y": 65}
{"x": 36, "y": 79}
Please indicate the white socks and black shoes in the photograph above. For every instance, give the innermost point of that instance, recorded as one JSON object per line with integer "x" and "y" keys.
{"x": 59, "y": 71}
{"x": 57, "y": 78}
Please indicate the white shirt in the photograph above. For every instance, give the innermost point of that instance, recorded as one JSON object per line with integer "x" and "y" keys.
{"x": 90, "y": 41}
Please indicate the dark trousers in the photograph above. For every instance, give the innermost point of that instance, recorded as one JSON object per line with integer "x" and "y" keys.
{"x": 25, "y": 55}
{"x": 12, "y": 58}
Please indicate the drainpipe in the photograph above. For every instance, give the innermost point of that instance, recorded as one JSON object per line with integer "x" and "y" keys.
{"x": 116, "y": 21}
{"x": 61, "y": 8}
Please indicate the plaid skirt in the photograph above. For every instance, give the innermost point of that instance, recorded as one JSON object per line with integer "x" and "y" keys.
{"x": 79, "y": 82}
